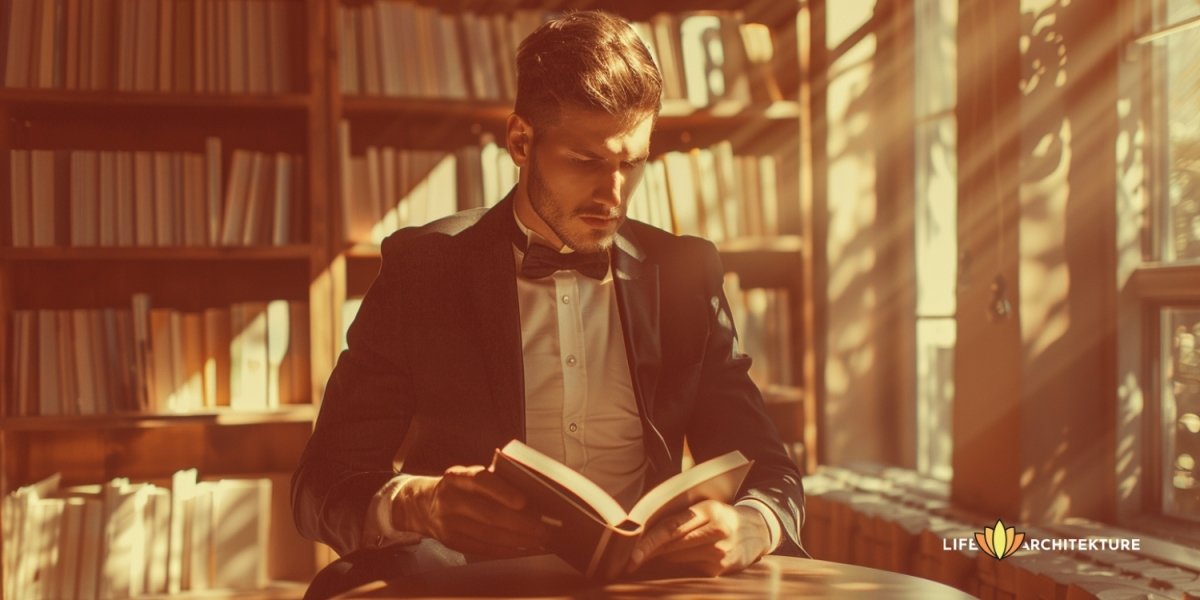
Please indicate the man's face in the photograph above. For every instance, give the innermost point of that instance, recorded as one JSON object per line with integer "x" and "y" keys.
{"x": 581, "y": 172}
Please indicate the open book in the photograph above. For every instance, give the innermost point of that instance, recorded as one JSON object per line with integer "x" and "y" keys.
{"x": 589, "y": 529}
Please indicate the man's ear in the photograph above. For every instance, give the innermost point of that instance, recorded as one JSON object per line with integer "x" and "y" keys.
{"x": 519, "y": 139}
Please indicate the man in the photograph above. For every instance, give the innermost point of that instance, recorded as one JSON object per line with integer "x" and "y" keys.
{"x": 550, "y": 318}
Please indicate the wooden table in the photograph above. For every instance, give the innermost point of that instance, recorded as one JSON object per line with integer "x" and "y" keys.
{"x": 772, "y": 577}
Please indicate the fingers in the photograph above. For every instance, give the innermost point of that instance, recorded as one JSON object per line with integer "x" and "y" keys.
{"x": 670, "y": 528}
{"x": 479, "y": 480}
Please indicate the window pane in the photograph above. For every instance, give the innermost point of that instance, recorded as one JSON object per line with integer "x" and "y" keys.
{"x": 935, "y": 395}
{"x": 934, "y": 24}
{"x": 936, "y": 221}
{"x": 1179, "y": 10}
{"x": 1182, "y": 235}
{"x": 1181, "y": 412}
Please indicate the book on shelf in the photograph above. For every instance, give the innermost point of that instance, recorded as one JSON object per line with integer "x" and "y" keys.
{"x": 171, "y": 46}
{"x": 87, "y": 198}
{"x": 588, "y": 528}
{"x": 763, "y": 321}
{"x": 387, "y": 188}
{"x": 158, "y": 360}
{"x": 405, "y": 49}
{"x": 124, "y": 539}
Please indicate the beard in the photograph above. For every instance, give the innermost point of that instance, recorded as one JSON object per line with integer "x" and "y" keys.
{"x": 551, "y": 211}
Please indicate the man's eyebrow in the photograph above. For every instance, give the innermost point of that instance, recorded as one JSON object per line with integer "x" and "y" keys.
{"x": 591, "y": 154}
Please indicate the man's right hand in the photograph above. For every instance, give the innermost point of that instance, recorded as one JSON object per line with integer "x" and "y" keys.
{"x": 471, "y": 510}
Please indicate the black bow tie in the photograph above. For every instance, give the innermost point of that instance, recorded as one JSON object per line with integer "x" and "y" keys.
{"x": 542, "y": 261}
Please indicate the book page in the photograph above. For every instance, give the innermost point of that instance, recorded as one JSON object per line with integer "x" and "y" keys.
{"x": 715, "y": 479}
{"x": 564, "y": 476}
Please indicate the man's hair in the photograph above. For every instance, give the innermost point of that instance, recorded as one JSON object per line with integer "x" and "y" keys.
{"x": 589, "y": 60}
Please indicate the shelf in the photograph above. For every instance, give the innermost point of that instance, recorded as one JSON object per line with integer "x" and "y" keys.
{"x": 125, "y": 253}
{"x": 55, "y": 98}
{"x": 298, "y": 413}
{"x": 276, "y": 590}
{"x": 675, "y": 114}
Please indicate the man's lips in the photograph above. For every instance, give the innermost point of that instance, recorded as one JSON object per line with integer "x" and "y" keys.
{"x": 598, "y": 219}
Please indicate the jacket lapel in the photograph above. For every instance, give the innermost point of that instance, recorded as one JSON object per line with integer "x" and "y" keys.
{"x": 494, "y": 295}
{"x": 638, "y": 302}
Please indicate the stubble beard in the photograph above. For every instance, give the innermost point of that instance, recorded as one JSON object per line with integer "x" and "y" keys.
{"x": 547, "y": 207}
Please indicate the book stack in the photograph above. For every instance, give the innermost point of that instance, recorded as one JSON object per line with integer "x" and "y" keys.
{"x": 248, "y": 356}
{"x": 110, "y": 198}
{"x": 125, "y": 540}
{"x": 177, "y": 46}
{"x": 388, "y": 188}
{"x": 400, "y": 48}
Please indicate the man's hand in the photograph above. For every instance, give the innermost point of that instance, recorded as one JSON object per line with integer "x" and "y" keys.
{"x": 710, "y": 538}
{"x": 471, "y": 510}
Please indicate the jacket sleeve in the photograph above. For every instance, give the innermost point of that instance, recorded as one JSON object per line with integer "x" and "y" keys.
{"x": 364, "y": 415}
{"x": 729, "y": 415}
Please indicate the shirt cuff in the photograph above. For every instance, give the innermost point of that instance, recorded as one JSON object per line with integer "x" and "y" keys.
{"x": 378, "y": 531}
{"x": 774, "y": 528}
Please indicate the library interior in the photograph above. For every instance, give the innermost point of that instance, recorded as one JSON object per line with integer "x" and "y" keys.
{"x": 960, "y": 242}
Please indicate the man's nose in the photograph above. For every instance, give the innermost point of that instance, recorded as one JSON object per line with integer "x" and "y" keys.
{"x": 609, "y": 188}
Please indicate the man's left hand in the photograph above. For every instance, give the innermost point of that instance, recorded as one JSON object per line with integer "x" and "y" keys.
{"x": 710, "y": 538}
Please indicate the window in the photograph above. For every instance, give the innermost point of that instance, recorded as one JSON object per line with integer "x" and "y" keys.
{"x": 935, "y": 224}
{"x": 1168, "y": 289}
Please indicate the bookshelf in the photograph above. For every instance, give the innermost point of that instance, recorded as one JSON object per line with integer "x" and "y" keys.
{"x": 79, "y": 114}
{"x": 318, "y": 266}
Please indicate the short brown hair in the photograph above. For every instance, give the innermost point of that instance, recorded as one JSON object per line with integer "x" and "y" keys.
{"x": 586, "y": 59}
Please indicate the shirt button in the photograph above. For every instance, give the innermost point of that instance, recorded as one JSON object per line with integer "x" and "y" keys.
{"x": 573, "y": 427}
{"x": 566, "y": 299}
{"x": 571, "y": 360}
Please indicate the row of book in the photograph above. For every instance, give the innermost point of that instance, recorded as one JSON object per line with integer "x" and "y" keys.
{"x": 186, "y": 46}
{"x": 247, "y": 356}
{"x": 709, "y": 192}
{"x": 763, "y": 320}
{"x": 111, "y": 198}
{"x": 127, "y": 540}
{"x": 400, "y": 48}
{"x": 387, "y": 188}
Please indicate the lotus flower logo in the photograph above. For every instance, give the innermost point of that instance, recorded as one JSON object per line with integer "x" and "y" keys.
{"x": 999, "y": 542}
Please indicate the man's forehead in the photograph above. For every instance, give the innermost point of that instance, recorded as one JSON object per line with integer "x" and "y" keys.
{"x": 598, "y": 131}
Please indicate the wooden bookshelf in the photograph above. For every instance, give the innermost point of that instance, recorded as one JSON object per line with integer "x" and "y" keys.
{"x": 322, "y": 268}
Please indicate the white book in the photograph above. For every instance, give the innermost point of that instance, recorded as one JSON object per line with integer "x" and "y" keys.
{"x": 48, "y": 360}
{"x": 235, "y": 197}
{"x": 370, "y": 57}
{"x": 83, "y": 348}
{"x": 43, "y": 197}
{"x": 68, "y": 384}
{"x": 212, "y": 187}
{"x": 280, "y": 46}
{"x": 681, "y": 186}
{"x": 256, "y": 200}
{"x": 69, "y": 546}
{"x": 200, "y": 570}
{"x": 21, "y": 191}
{"x": 278, "y": 342}
{"x": 249, "y": 356}
{"x": 389, "y": 50}
{"x": 143, "y": 194}
{"x": 91, "y": 549}
{"x": 282, "y": 195}
{"x": 119, "y": 539}
{"x": 125, "y": 198}
{"x": 241, "y": 533}
{"x": 164, "y": 204}
{"x": 453, "y": 69}
{"x": 107, "y": 192}
{"x": 158, "y": 533}
{"x": 20, "y": 30}
{"x": 183, "y": 487}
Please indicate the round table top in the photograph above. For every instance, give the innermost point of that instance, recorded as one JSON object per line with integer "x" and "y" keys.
{"x": 772, "y": 577}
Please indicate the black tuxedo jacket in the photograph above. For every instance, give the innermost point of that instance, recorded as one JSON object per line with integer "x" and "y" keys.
{"x": 434, "y": 364}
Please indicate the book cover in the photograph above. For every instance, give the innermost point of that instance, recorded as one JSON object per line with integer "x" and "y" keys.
{"x": 589, "y": 529}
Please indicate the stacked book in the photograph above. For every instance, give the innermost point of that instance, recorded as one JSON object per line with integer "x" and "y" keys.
{"x": 400, "y": 48}
{"x": 126, "y": 540}
{"x": 248, "y": 356}
{"x": 142, "y": 198}
{"x": 178, "y": 46}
